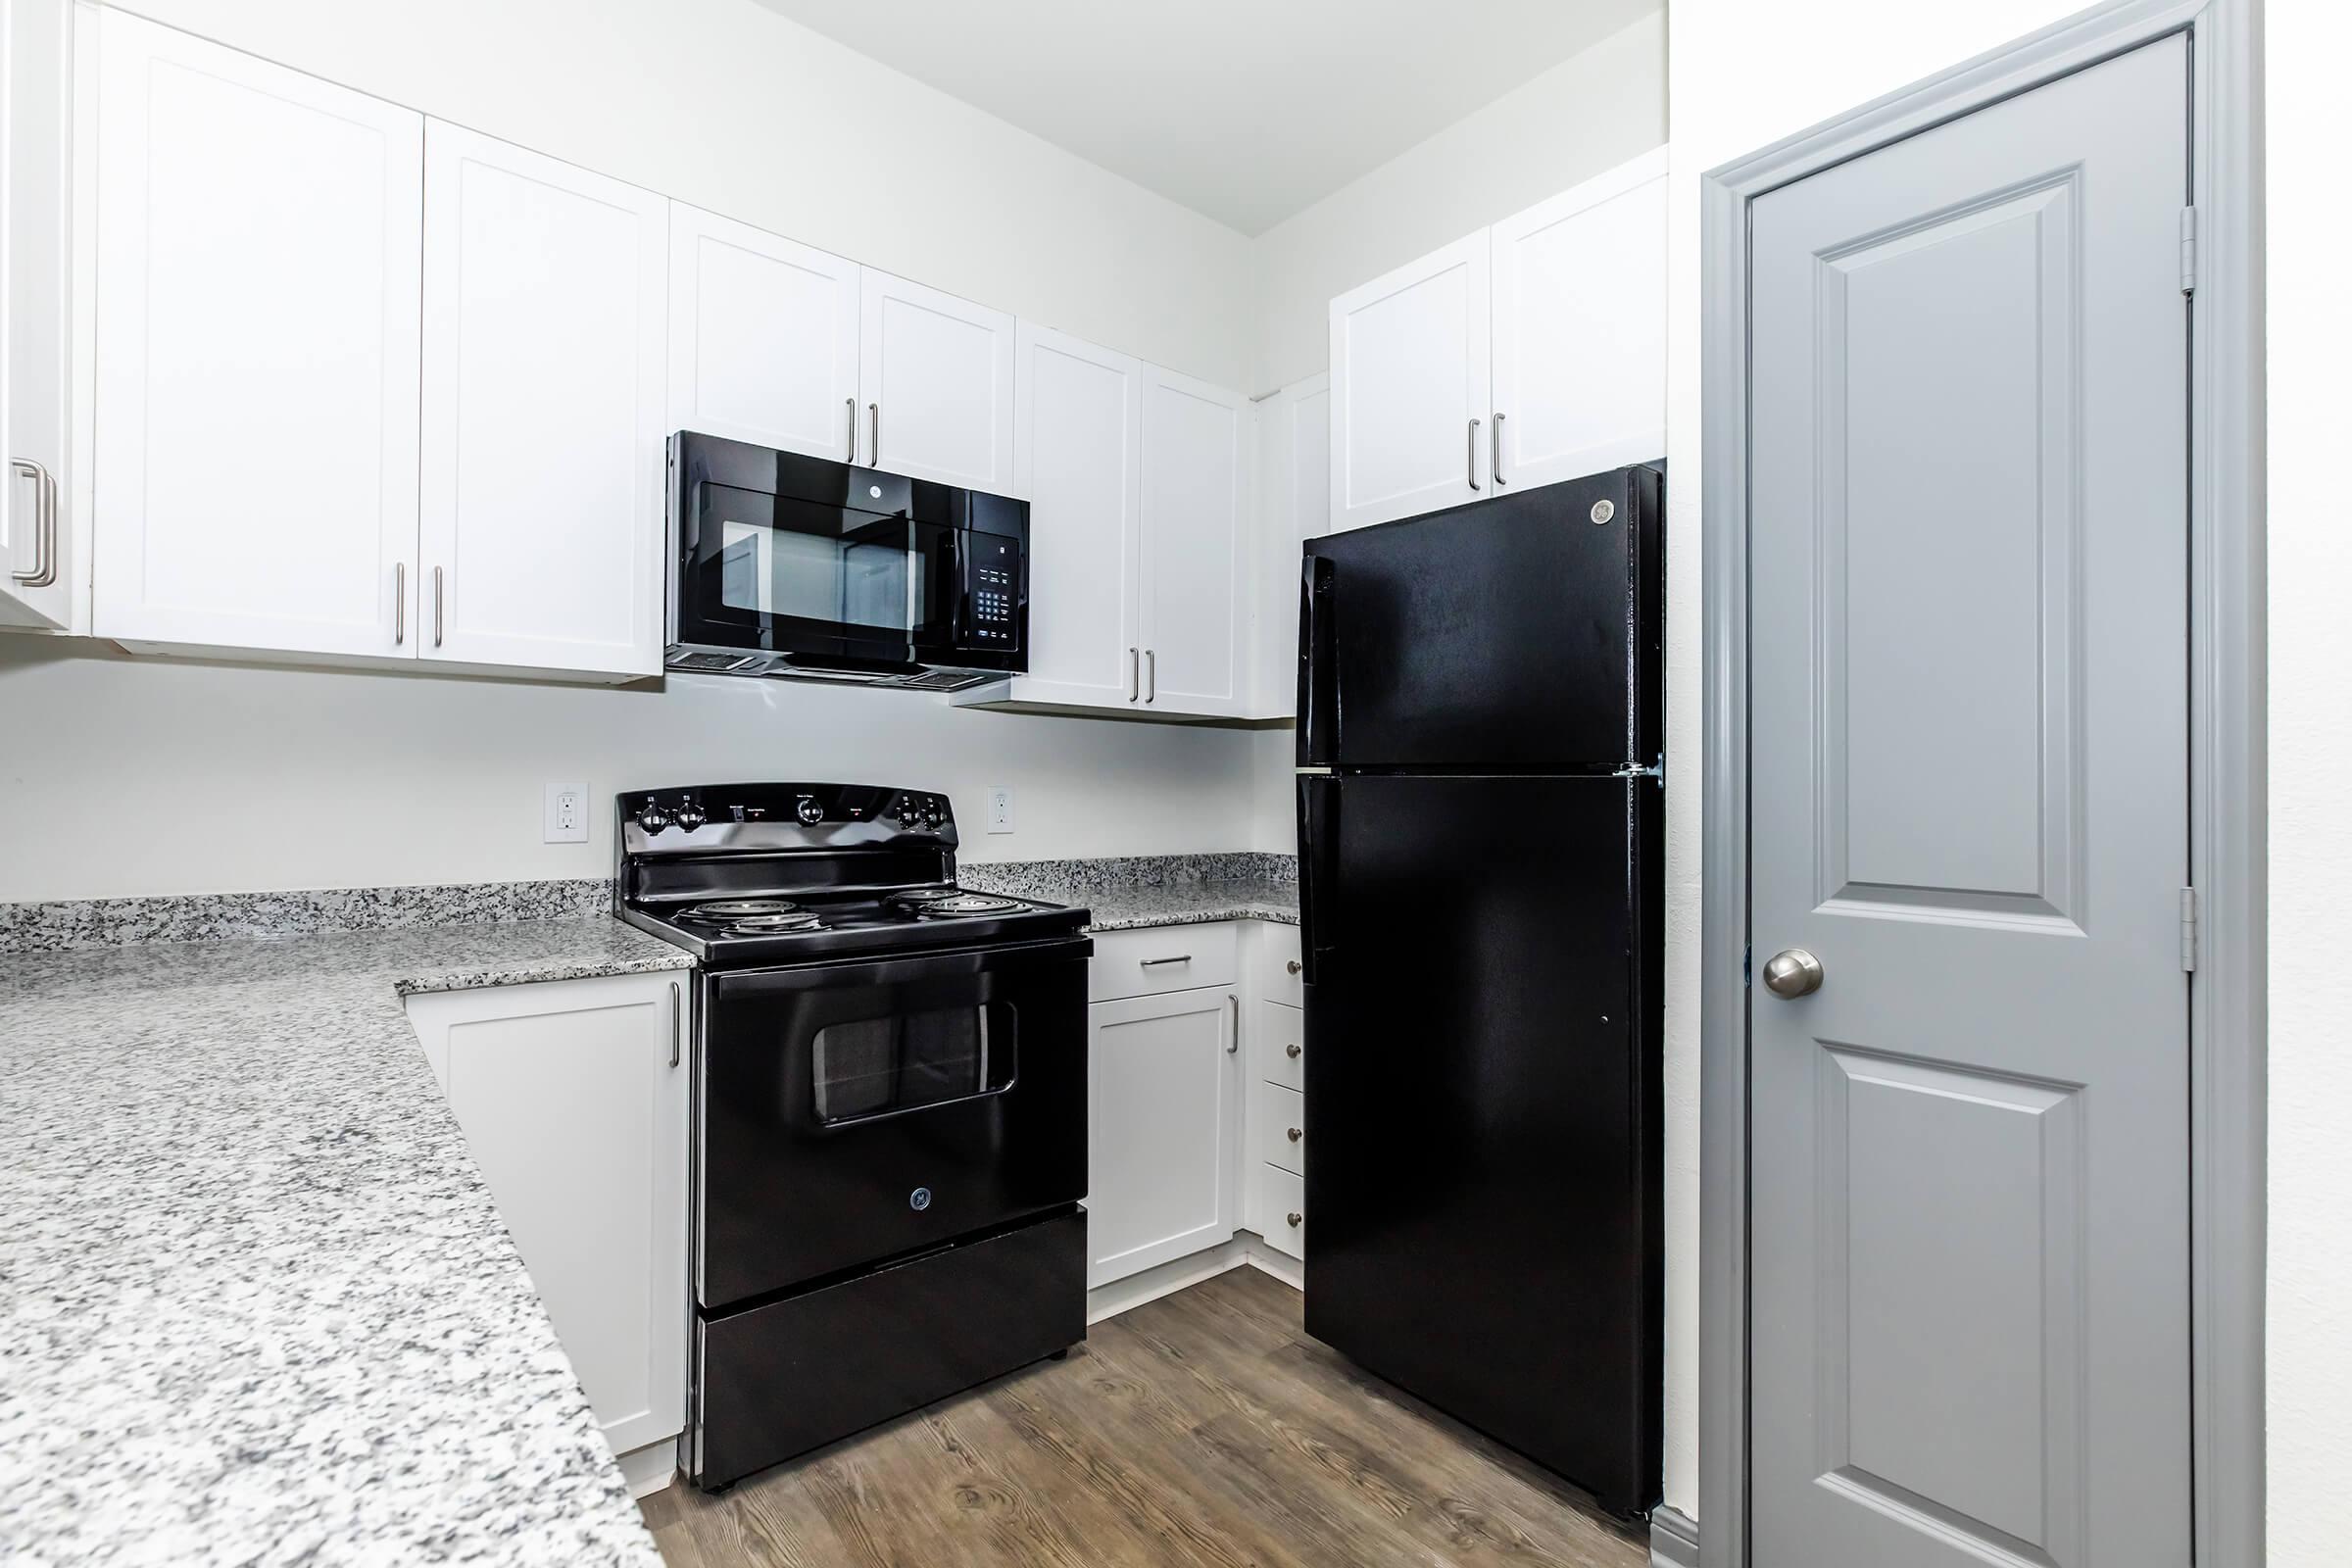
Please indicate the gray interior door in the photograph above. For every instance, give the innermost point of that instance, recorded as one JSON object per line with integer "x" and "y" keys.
{"x": 1970, "y": 1155}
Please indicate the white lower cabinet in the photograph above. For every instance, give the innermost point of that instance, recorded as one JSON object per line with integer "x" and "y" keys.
{"x": 1164, "y": 1134}
{"x": 572, "y": 1097}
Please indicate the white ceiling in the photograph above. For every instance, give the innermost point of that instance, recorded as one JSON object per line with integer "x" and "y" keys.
{"x": 1245, "y": 110}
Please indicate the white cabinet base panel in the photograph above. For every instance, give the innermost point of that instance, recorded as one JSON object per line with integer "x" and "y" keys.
{"x": 1244, "y": 1250}
{"x": 649, "y": 1469}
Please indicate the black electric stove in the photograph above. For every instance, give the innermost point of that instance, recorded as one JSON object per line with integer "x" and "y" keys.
{"x": 889, "y": 1104}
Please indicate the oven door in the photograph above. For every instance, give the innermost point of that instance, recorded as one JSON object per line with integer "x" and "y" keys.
{"x": 851, "y": 1112}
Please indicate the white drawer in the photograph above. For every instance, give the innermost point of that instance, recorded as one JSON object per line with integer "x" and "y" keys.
{"x": 1278, "y": 955}
{"x": 1277, "y": 1115}
{"x": 1165, "y": 957}
{"x": 1278, "y": 1046}
{"x": 1283, "y": 1194}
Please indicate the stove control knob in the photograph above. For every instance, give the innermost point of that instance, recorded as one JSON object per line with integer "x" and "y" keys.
{"x": 652, "y": 818}
{"x": 809, "y": 811}
{"x": 689, "y": 814}
{"x": 933, "y": 815}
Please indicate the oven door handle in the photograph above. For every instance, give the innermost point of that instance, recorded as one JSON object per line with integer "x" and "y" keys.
{"x": 732, "y": 985}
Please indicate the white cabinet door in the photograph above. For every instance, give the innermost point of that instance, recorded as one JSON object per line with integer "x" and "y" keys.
{"x": 763, "y": 338}
{"x": 1165, "y": 1133}
{"x": 1580, "y": 330}
{"x": 544, "y": 318}
{"x": 36, "y": 573}
{"x": 256, "y": 351}
{"x": 576, "y": 1115}
{"x": 1197, "y": 447}
{"x": 1409, "y": 388}
{"x": 1293, "y": 505}
{"x": 937, "y": 385}
{"x": 1078, "y": 457}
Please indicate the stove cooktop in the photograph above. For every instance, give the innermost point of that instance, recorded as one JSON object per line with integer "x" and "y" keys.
{"x": 813, "y": 925}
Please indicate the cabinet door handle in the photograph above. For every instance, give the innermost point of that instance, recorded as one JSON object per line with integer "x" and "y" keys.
{"x": 44, "y": 537}
{"x": 1497, "y": 465}
{"x": 1470, "y": 456}
{"x": 440, "y": 599}
{"x": 852, "y": 404}
{"x": 677, "y": 1020}
{"x": 1293, "y": 1134}
{"x": 1135, "y": 675}
{"x": 1233, "y": 1040}
{"x": 399, "y": 602}
{"x": 1294, "y": 965}
{"x": 1293, "y": 1050}
{"x": 1151, "y": 675}
{"x": 1181, "y": 958}
{"x": 1296, "y": 1219}
{"x": 873, "y": 434}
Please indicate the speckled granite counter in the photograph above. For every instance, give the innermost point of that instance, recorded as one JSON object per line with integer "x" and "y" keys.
{"x": 256, "y": 1304}
{"x": 1127, "y": 909}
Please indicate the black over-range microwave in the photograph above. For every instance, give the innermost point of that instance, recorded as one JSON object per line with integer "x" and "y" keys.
{"x": 802, "y": 567}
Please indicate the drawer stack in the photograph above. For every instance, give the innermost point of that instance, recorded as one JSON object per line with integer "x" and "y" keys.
{"x": 1277, "y": 1116}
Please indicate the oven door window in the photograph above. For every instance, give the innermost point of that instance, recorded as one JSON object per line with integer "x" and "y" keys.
{"x": 808, "y": 575}
{"x": 869, "y": 1067}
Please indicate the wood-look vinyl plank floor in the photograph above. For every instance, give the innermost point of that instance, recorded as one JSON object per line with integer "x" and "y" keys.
{"x": 1204, "y": 1430}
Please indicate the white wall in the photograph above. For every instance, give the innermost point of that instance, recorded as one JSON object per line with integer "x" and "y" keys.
{"x": 337, "y": 779}
{"x": 1744, "y": 76}
{"x": 1590, "y": 112}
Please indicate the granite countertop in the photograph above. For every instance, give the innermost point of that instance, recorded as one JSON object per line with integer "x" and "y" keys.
{"x": 256, "y": 1303}
{"x": 1188, "y": 902}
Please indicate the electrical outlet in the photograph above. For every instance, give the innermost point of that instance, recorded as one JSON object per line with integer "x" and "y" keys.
{"x": 999, "y": 809}
{"x": 567, "y": 814}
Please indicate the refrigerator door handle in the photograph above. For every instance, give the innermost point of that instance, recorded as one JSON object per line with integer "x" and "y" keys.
{"x": 1318, "y": 666}
{"x": 1318, "y": 867}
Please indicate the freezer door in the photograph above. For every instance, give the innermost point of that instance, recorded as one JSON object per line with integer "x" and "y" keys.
{"x": 1521, "y": 633}
{"x": 1482, "y": 1106}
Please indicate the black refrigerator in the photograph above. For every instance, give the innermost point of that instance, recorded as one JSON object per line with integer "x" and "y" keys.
{"x": 1479, "y": 830}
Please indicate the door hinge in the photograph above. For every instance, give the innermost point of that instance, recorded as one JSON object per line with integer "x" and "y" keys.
{"x": 2188, "y": 929}
{"x": 2188, "y": 250}
{"x": 1656, "y": 771}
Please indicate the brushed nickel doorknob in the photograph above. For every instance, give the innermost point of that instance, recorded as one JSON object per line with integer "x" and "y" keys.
{"x": 1293, "y": 1050}
{"x": 1295, "y": 1133}
{"x": 1296, "y": 1219}
{"x": 1293, "y": 966}
{"x": 1792, "y": 973}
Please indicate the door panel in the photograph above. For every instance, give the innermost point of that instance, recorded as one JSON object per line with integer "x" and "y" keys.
{"x": 1079, "y": 460}
{"x": 37, "y": 576}
{"x": 255, "y": 481}
{"x": 1165, "y": 1130}
{"x": 1195, "y": 471}
{"x": 763, "y": 338}
{"x": 1580, "y": 330}
{"x": 546, "y": 309}
{"x": 1969, "y": 1204}
{"x": 1410, "y": 355}
{"x": 937, "y": 383}
{"x": 1293, "y": 505}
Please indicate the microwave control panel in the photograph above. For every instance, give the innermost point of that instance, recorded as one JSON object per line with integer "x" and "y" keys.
{"x": 991, "y": 592}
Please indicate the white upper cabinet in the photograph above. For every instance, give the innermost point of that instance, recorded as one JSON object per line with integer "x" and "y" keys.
{"x": 763, "y": 338}
{"x": 256, "y": 377}
{"x": 1409, "y": 385}
{"x": 1197, "y": 481}
{"x": 937, "y": 385}
{"x": 36, "y": 570}
{"x": 1580, "y": 330}
{"x": 544, "y": 318}
{"x": 1293, "y": 505}
{"x": 1078, "y": 457}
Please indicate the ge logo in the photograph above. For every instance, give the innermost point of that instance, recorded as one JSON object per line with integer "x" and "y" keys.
{"x": 920, "y": 1199}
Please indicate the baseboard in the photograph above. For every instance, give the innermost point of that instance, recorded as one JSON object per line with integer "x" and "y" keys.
{"x": 1244, "y": 1250}
{"x": 1673, "y": 1539}
{"x": 649, "y": 1469}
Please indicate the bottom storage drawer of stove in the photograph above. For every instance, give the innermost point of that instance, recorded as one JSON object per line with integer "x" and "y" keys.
{"x": 780, "y": 1379}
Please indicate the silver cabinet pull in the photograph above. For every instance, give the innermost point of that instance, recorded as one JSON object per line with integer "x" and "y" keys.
{"x": 440, "y": 598}
{"x": 873, "y": 434}
{"x": 1497, "y": 465}
{"x": 1151, "y": 674}
{"x": 1293, "y": 1050}
{"x": 852, "y": 404}
{"x": 1470, "y": 455}
{"x": 1135, "y": 676}
{"x": 677, "y": 1020}
{"x": 1295, "y": 1217}
{"x": 1181, "y": 958}
{"x": 1233, "y": 1042}
{"x": 1294, "y": 965}
{"x": 44, "y": 525}
{"x": 1293, "y": 1134}
{"x": 399, "y": 602}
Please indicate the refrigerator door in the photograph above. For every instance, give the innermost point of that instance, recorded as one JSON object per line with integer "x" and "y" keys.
{"x": 1516, "y": 634}
{"x": 1483, "y": 1105}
